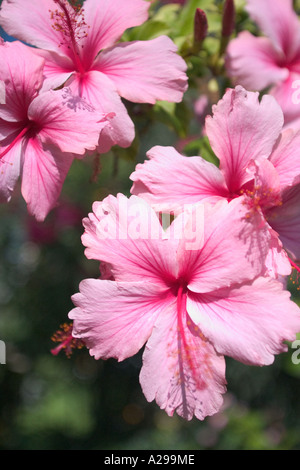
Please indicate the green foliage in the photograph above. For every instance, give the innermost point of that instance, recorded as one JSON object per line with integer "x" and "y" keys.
{"x": 201, "y": 146}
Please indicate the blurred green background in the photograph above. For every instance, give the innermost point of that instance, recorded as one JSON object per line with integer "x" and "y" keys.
{"x": 54, "y": 402}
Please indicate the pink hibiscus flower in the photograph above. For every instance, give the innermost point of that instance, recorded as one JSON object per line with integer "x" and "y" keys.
{"x": 192, "y": 293}
{"x": 271, "y": 61}
{"x": 81, "y": 50}
{"x": 40, "y": 134}
{"x": 258, "y": 163}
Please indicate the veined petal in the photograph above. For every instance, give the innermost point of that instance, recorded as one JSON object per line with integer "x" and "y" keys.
{"x": 126, "y": 233}
{"x": 10, "y": 168}
{"x": 248, "y": 323}
{"x": 32, "y": 24}
{"x": 285, "y": 157}
{"x": 278, "y": 21}
{"x": 266, "y": 196}
{"x": 229, "y": 247}
{"x": 107, "y": 20}
{"x": 277, "y": 261}
{"x": 190, "y": 180}
{"x": 44, "y": 171}
{"x": 283, "y": 92}
{"x": 100, "y": 91}
{"x": 242, "y": 129}
{"x": 182, "y": 371}
{"x": 67, "y": 121}
{"x": 22, "y": 72}
{"x": 267, "y": 189}
{"x": 145, "y": 71}
{"x": 2, "y": 92}
{"x": 8, "y": 129}
{"x": 116, "y": 319}
{"x": 57, "y": 69}
{"x": 285, "y": 219}
{"x": 253, "y": 62}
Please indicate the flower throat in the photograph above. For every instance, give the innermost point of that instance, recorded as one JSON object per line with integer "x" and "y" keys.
{"x": 69, "y": 20}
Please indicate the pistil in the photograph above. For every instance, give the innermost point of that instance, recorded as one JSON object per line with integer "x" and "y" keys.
{"x": 187, "y": 356}
{"x": 72, "y": 27}
{"x": 296, "y": 270}
{"x": 67, "y": 341}
{"x": 294, "y": 265}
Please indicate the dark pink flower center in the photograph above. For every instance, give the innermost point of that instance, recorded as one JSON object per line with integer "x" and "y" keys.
{"x": 28, "y": 128}
{"x": 178, "y": 284}
{"x": 292, "y": 64}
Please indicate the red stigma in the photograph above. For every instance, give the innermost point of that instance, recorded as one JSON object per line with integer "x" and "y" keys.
{"x": 67, "y": 341}
{"x": 295, "y": 276}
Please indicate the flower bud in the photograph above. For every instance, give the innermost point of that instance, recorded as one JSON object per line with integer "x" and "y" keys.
{"x": 200, "y": 26}
{"x": 228, "y": 19}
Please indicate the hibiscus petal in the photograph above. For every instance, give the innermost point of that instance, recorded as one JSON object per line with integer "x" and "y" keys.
{"x": 8, "y": 129}
{"x": 278, "y": 21}
{"x": 248, "y": 323}
{"x": 190, "y": 179}
{"x": 32, "y": 25}
{"x": 242, "y": 129}
{"x": 181, "y": 371}
{"x": 284, "y": 157}
{"x": 285, "y": 219}
{"x": 100, "y": 91}
{"x": 253, "y": 62}
{"x": 22, "y": 72}
{"x": 126, "y": 233}
{"x": 230, "y": 246}
{"x": 107, "y": 20}
{"x": 66, "y": 121}
{"x": 284, "y": 92}
{"x": 43, "y": 175}
{"x": 266, "y": 197}
{"x": 57, "y": 69}
{"x": 10, "y": 168}
{"x": 36, "y": 26}
{"x": 2, "y": 92}
{"x": 145, "y": 71}
{"x": 267, "y": 187}
{"x": 277, "y": 261}
{"x": 116, "y": 319}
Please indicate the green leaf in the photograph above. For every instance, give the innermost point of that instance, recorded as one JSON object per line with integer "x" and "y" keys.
{"x": 173, "y": 115}
{"x": 202, "y": 148}
{"x": 161, "y": 23}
